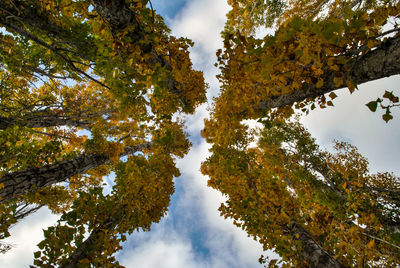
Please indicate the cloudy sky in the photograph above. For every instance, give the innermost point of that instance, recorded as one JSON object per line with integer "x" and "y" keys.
{"x": 193, "y": 234}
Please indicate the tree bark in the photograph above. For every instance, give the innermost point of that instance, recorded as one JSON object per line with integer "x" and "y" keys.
{"x": 17, "y": 183}
{"x": 312, "y": 252}
{"x": 44, "y": 121}
{"x": 382, "y": 62}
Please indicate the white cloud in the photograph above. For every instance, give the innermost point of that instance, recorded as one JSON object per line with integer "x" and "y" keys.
{"x": 202, "y": 21}
{"x": 350, "y": 120}
{"x": 229, "y": 245}
{"x": 25, "y": 236}
{"x": 160, "y": 249}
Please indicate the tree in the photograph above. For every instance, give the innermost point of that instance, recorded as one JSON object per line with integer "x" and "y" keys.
{"x": 320, "y": 206}
{"x": 311, "y": 206}
{"x": 310, "y": 54}
{"x": 139, "y": 198}
{"x": 87, "y": 86}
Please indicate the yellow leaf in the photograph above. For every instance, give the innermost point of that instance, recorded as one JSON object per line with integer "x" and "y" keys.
{"x": 338, "y": 81}
{"x": 351, "y": 86}
{"x": 332, "y": 95}
{"x": 335, "y": 67}
{"x": 371, "y": 244}
{"x": 1, "y": 185}
{"x": 370, "y": 43}
{"x": 320, "y": 83}
{"x": 85, "y": 261}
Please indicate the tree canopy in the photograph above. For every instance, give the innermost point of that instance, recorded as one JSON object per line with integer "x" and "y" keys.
{"x": 95, "y": 88}
{"x": 89, "y": 88}
{"x": 313, "y": 207}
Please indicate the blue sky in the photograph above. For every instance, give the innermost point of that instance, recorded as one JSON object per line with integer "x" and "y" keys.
{"x": 193, "y": 234}
{"x": 168, "y": 9}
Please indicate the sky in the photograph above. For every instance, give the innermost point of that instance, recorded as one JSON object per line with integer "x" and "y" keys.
{"x": 193, "y": 234}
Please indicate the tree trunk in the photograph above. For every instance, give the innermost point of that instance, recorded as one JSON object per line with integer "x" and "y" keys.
{"x": 19, "y": 182}
{"x": 312, "y": 252}
{"x": 382, "y": 62}
{"x": 119, "y": 16}
{"x": 43, "y": 121}
{"x": 84, "y": 250}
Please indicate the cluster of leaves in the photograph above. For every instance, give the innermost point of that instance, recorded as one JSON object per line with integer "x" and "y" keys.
{"x": 392, "y": 101}
{"x": 309, "y": 55}
{"x": 87, "y": 88}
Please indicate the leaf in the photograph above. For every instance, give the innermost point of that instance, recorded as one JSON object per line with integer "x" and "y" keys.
{"x": 330, "y": 103}
{"x": 332, "y": 95}
{"x": 372, "y": 105}
{"x": 388, "y": 95}
{"x": 86, "y": 260}
{"x": 337, "y": 81}
{"x": 351, "y": 86}
{"x": 371, "y": 244}
{"x": 370, "y": 43}
{"x": 272, "y": 263}
{"x": 37, "y": 254}
{"x": 387, "y": 117}
{"x": 320, "y": 83}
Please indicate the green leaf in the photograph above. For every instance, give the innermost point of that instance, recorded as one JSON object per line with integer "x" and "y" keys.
{"x": 388, "y": 95}
{"x": 387, "y": 117}
{"x": 372, "y": 105}
{"x": 36, "y": 254}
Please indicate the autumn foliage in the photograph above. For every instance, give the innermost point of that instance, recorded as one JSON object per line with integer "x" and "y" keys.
{"x": 89, "y": 89}
{"x": 95, "y": 88}
{"x": 313, "y": 207}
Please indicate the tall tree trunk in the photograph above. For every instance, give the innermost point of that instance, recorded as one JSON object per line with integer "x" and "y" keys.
{"x": 17, "y": 183}
{"x": 382, "y": 62}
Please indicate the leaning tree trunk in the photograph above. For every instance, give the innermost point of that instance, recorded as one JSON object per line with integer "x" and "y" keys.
{"x": 382, "y": 62}
{"x": 312, "y": 252}
{"x": 19, "y": 182}
{"x": 43, "y": 121}
{"x": 119, "y": 16}
{"x": 93, "y": 242}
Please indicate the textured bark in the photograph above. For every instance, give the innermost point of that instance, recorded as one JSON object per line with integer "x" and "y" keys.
{"x": 43, "y": 121}
{"x": 85, "y": 249}
{"x": 312, "y": 252}
{"x": 17, "y": 183}
{"x": 382, "y": 62}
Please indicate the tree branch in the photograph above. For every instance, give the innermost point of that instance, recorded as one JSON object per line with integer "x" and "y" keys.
{"x": 382, "y": 62}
